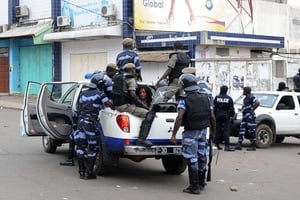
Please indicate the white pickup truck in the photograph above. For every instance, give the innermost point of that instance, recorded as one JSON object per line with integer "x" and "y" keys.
{"x": 49, "y": 114}
{"x": 277, "y": 117}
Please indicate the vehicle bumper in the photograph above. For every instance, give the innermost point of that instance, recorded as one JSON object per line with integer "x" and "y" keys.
{"x": 156, "y": 150}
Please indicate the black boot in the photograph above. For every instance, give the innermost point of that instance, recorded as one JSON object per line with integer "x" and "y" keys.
{"x": 202, "y": 179}
{"x": 81, "y": 167}
{"x": 238, "y": 146}
{"x": 145, "y": 129}
{"x": 89, "y": 169}
{"x": 252, "y": 148}
{"x": 194, "y": 187}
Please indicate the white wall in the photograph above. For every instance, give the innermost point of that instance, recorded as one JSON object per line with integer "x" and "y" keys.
{"x": 38, "y": 9}
{"x": 110, "y": 46}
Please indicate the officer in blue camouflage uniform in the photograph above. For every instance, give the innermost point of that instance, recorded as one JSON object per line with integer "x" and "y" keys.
{"x": 104, "y": 82}
{"x": 248, "y": 124}
{"x": 86, "y": 138}
{"x": 196, "y": 115}
{"x": 104, "y": 79}
{"x": 128, "y": 55}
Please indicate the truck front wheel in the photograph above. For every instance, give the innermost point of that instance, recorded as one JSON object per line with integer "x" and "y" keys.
{"x": 264, "y": 136}
{"x": 49, "y": 144}
{"x": 174, "y": 164}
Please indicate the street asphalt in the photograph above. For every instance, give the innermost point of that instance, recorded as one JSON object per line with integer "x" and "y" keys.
{"x": 11, "y": 101}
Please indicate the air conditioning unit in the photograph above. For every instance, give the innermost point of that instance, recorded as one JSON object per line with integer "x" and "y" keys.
{"x": 3, "y": 28}
{"x": 109, "y": 10}
{"x": 22, "y": 11}
{"x": 63, "y": 21}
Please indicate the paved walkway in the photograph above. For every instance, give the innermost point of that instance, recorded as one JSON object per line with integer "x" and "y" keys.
{"x": 11, "y": 101}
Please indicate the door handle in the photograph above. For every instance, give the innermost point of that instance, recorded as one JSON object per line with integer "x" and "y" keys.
{"x": 170, "y": 120}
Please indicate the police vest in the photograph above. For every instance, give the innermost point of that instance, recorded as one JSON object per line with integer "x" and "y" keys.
{"x": 197, "y": 114}
{"x": 183, "y": 60}
{"x": 119, "y": 94}
{"x": 224, "y": 104}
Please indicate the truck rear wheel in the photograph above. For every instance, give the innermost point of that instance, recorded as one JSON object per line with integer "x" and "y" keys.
{"x": 99, "y": 167}
{"x": 174, "y": 164}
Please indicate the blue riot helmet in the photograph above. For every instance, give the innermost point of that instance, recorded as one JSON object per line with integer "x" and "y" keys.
{"x": 188, "y": 82}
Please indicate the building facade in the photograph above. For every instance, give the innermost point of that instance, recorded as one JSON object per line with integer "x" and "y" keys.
{"x": 237, "y": 43}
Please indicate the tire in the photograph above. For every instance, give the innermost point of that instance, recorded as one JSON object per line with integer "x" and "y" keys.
{"x": 264, "y": 136}
{"x": 49, "y": 144}
{"x": 174, "y": 164}
{"x": 100, "y": 168}
{"x": 279, "y": 139}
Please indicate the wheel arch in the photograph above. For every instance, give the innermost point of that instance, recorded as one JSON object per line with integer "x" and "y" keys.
{"x": 267, "y": 120}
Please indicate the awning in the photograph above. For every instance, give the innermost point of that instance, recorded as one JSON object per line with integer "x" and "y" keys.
{"x": 31, "y": 30}
{"x": 154, "y": 56}
{"x": 85, "y": 34}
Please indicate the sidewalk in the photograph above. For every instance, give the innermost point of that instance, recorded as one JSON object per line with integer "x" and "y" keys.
{"x": 11, "y": 101}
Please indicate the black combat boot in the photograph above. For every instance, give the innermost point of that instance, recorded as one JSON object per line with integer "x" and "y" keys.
{"x": 145, "y": 129}
{"x": 194, "y": 187}
{"x": 252, "y": 148}
{"x": 238, "y": 146}
{"x": 89, "y": 169}
{"x": 81, "y": 167}
{"x": 202, "y": 179}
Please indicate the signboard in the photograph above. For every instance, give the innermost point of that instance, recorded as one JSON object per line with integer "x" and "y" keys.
{"x": 179, "y": 15}
{"x": 83, "y": 12}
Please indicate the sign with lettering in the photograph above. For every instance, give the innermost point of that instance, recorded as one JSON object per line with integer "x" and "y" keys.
{"x": 179, "y": 15}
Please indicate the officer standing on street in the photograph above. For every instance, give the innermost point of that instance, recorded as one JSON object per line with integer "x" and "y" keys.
{"x": 128, "y": 55}
{"x": 196, "y": 115}
{"x": 125, "y": 100}
{"x": 248, "y": 124}
{"x": 224, "y": 112}
{"x": 103, "y": 80}
{"x": 86, "y": 138}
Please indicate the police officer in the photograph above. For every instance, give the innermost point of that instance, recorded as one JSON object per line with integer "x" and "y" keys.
{"x": 248, "y": 123}
{"x": 177, "y": 61}
{"x": 104, "y": 82}
{"x": 125, "y": 100}
{"x": 128, "y": 55}
{"x": 196, "y": 115}
{"x": 224, "y": 112}
{"x": 86, "y": 138}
